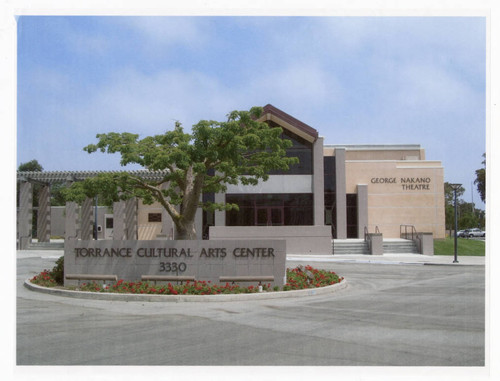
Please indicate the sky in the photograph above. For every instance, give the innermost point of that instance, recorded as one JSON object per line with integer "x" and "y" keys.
{"x": 357, "y": 80}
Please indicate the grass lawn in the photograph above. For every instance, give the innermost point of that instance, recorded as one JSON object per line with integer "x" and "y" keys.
{"x": 464, "y": 247}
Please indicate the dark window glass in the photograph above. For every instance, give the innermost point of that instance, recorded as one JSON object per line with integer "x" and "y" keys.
{"x": 154, "y": 217}
{"x": 302, "y": 149}
{"x": 109, "y": 223}
{"x": 329, "y": 172}
{"x": 261, "y": 216}
{"x": 270, "y": 209}
{"x": 352, "y": 215}
{"x": 276, "y": 216}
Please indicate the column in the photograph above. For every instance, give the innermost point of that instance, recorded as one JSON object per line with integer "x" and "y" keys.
{"x": 131, "y": 219}
{"x": 362, "y": 209}
{"x": 43, "y": 220}
{"x": 340, "y": 193}
{"x": 87, "y": 219}
{"x": 119, "y": 220}
{"x": 71, "y": 221}
{"x": 318, "y": 183}
{"x": 25, "y": 217}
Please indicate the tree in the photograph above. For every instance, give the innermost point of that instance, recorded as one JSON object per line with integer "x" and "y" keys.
{"x": 212, "y": 156}
{"x": 30, "y": 166}
{"x": 481, "y": 180}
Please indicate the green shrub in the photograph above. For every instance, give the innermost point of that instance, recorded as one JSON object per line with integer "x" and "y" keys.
{"x": 57, "y": 272}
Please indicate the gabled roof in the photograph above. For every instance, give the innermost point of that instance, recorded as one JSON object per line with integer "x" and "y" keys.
{"x": 269, "y": 112}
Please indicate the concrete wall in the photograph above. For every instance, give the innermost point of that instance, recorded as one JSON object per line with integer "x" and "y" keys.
{"x": 391, "y": 203}
{"x": 204, "y": 260}
{"x": 58, "y": 215}
{"x": 299, "y": 239}
{"x": 277, "y": 184}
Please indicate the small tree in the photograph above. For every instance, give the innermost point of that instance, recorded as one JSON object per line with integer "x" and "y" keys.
{"x": 30, "y": 166}
{"x": 214, "y": 154}
{"x": 481, "y": 180}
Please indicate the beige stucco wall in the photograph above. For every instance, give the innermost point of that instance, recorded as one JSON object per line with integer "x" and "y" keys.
{"x": 383, "y": 155}
{"x": 148, "y": 230}
{"x": 370, "y": 152}
{"x": 390, "y": 204}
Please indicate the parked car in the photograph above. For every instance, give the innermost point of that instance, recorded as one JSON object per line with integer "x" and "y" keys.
{"x": 461, "y": 233}
{"x": 475, "y": 233}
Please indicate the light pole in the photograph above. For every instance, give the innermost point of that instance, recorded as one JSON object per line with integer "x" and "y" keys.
{"x": 455, "y": 187}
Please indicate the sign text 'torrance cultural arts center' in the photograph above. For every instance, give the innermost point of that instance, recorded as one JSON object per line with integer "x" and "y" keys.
{"x": 206, "y": 260}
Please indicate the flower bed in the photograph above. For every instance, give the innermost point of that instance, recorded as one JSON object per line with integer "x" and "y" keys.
{"x": 297, "y": 279}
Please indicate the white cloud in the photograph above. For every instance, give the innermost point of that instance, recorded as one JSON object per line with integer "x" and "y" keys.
{"x": 296, "y": 85}
{"x": 163, "y": 31}
{"x": 137, "y": 102}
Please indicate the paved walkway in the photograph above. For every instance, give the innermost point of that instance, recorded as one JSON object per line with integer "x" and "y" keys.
{"x": 416, "y": 259}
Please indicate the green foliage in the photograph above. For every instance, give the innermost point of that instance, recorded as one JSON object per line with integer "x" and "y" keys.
{"x": 468, "y": 220}
{"x": 449, "y": 195}
{"x": 44, "y": 279}
{"x": 58, "y": 271}
{"x": 30, "y": 166}
{"x": 481, "y": 180}
{"x": 214, "y": 155}
{"x": 309, "y": 277}
{"x": 465, "y": 247}
{"x": 297, "y": 279}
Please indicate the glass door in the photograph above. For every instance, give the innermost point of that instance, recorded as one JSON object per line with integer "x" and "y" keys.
{"x": 269, "y": 216}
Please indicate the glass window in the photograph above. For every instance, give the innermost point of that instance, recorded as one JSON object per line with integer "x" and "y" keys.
{"x": 109, "y": 223}
{"x": 352, "y": 215}
{"x": 302, "y": 149}
{"x": 270, "y": 209}
{"x": 154, "y": 217}
{"x": 329, "y": 173}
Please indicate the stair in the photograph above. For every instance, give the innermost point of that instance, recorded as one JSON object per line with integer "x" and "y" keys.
{"x": 400, "y": 246}
{"x": 360, "y": 247}
{"x": 350, "y": 246}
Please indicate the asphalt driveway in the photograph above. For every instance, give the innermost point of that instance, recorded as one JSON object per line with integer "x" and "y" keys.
{"x": 389, "y": 315}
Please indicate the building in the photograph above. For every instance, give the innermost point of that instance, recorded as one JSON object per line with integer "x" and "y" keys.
{"x": 335, "y": 192}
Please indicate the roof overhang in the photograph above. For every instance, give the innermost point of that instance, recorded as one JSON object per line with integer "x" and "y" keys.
{"x": 271, "y": 113}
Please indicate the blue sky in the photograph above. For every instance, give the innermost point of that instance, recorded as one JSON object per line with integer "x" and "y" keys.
{"x": 357, "y": 80}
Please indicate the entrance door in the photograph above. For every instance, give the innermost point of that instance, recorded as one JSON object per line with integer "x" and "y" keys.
{"x": 269, "y": 216}
{"x": 108, "y": 226}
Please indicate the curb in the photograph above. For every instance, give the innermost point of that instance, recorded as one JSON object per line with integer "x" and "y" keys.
{"x": 187, "y": 298}
{"x": 377, "y": 261}
{"x": 453, "y": 264}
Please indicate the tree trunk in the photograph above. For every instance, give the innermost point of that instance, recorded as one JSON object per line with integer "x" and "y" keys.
{"x": 185, "y": 231}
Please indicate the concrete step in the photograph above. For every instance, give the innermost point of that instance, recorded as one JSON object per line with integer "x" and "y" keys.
{"x": 353, "y": 247}
{"x": 357, "y": 247}
{"x": 400, "y": 247}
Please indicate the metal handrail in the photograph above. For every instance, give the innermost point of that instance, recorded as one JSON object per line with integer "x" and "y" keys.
{"x": 367, "y": 234}
{"x": 368, "y": 237}
{"x": 413, "y": 234}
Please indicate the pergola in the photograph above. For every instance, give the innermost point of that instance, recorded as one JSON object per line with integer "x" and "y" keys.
{"x": 79, "y": 219}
